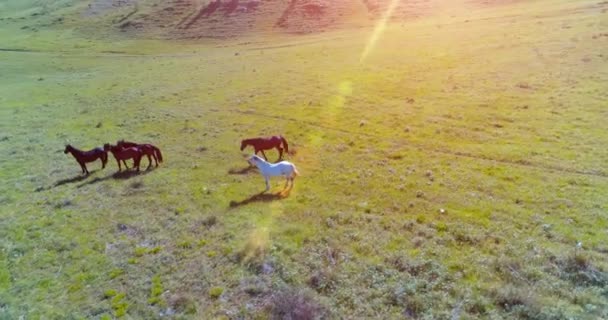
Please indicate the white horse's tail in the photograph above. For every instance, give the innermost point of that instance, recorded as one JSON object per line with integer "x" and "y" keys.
{"x": 295, "y": 171}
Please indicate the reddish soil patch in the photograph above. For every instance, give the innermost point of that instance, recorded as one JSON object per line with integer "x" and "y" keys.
{"x": 180, "y": 19}
{"x": 405, "y": 10}
{"x": 306, "y": 16}
{"x": 188, "y": 19}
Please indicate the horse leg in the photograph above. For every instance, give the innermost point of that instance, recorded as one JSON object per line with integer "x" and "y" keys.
{"x": 125, "y": 162}
{"x": 286, "y": 182}
{"x": 84, "y": 168}
{"x": 119, "y": 168}
{"x": 280, "y": 153}
{"x": 149, "y": 162}
{"x": 264, "y": 155}
{"x": 267, "y": 184}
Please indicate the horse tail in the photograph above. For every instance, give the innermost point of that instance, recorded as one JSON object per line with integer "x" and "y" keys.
{"x": 285, "y": 144}
{"x": 158, "y": 154}
{"x": 295, "y": 171}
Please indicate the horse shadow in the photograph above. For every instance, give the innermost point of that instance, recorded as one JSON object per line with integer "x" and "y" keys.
{"x": 245, "y": 170}
{"x": 259, "y": 197}
{"x": 77, "y": 178}
{"x": 119, "y": 175}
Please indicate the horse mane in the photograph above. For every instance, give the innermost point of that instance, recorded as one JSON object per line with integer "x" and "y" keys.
{"x": 71, "y": 147}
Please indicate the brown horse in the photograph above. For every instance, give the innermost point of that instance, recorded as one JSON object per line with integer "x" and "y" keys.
{"x": 124, "y": 154}
{"x": 261, "y": 144}
{"x": 82, "y": 157}
{"x": 147, "y": 149}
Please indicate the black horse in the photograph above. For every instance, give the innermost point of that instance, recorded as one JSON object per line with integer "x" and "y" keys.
{"x": 82, "y": 157}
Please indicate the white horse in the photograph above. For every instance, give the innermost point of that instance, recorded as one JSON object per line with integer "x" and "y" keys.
{"x": 283, "y": 168}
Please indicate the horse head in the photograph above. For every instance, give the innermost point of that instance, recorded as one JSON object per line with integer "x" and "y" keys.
{"x": 243, "y": 144}
{"x": 252, "y": 160}
{"x": 67, "y": 149}
{"x": 107, "y": 147}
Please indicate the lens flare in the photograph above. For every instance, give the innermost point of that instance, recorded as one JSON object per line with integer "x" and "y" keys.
{"x": 378, "y": 30}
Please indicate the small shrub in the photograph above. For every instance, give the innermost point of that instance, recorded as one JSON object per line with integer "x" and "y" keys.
{"x": 209, "y": 221}
{"x": 154, "y": 250}
{"x": 442, "y": 227}
{"x": 254, "y": 286}
{"x": 255, "y": 249}
{"x": 140, "y": 251}
{"x": 183, "y": 304}
{"x": 295, "y": 305}
{"x": 226, "y": 250}
{"x": 185, "y": 244}
{"x": 216, "y": 292}
{"x": 579, "y": 269}
{"x": 119, "y": 305}
{"x": 156, "y": 290}
{"x": 478, "y": 305}
{"x": 115, "y": 273}
{"x": 323, "y": 280}
{"x": 405, "y": 296}
{"x": 508, "y": 297}
{"x": 420, "y": 219}
{"x": 109, "y": 293}
{"x": 463, "y": 237}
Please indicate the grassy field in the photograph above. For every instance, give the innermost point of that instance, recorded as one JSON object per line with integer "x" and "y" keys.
{"x": 447, "y": 174}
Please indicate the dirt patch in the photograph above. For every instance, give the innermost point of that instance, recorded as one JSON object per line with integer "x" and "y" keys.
{"x": 101, "y": 7}
{"x": 192, "y": 19}
{"x": 188, "y": 19}
{"x": 307, "y": 16}
{"x": 486, "y": 3}
{"x": 405, "y": 10}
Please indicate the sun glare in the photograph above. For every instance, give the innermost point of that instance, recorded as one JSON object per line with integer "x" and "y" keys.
{"x": 378, "y": 30}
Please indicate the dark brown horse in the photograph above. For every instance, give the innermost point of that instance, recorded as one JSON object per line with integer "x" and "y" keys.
{"x": 147, "y": 149}
{"x": 124, "y": 154}
{"x": 82, "y": 157}
{"x": 261, "y": 144}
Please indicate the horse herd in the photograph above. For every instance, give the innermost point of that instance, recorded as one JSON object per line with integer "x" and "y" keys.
{"x": 125, "y": 150}
{"x": 122, "y": 151}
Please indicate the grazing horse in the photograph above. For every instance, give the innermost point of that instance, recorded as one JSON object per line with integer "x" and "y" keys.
{"x": 82, "y": 157}
{"x": 124, "y": 154}
{"x": 261, "y": 144}
{"x": 283, "y": 168}
{"x": 147, "y": 149}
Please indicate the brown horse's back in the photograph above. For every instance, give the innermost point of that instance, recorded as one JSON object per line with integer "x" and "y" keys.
{"x": 127, "y": 153}
{"x": 92, "y": 155}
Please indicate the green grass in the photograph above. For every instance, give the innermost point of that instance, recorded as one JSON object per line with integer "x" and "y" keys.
{"x": 495, "y": 116}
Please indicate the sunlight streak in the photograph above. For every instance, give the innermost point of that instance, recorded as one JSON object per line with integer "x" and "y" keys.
{"x": 378, "y": 30}
{"x": 258, "y": 243}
